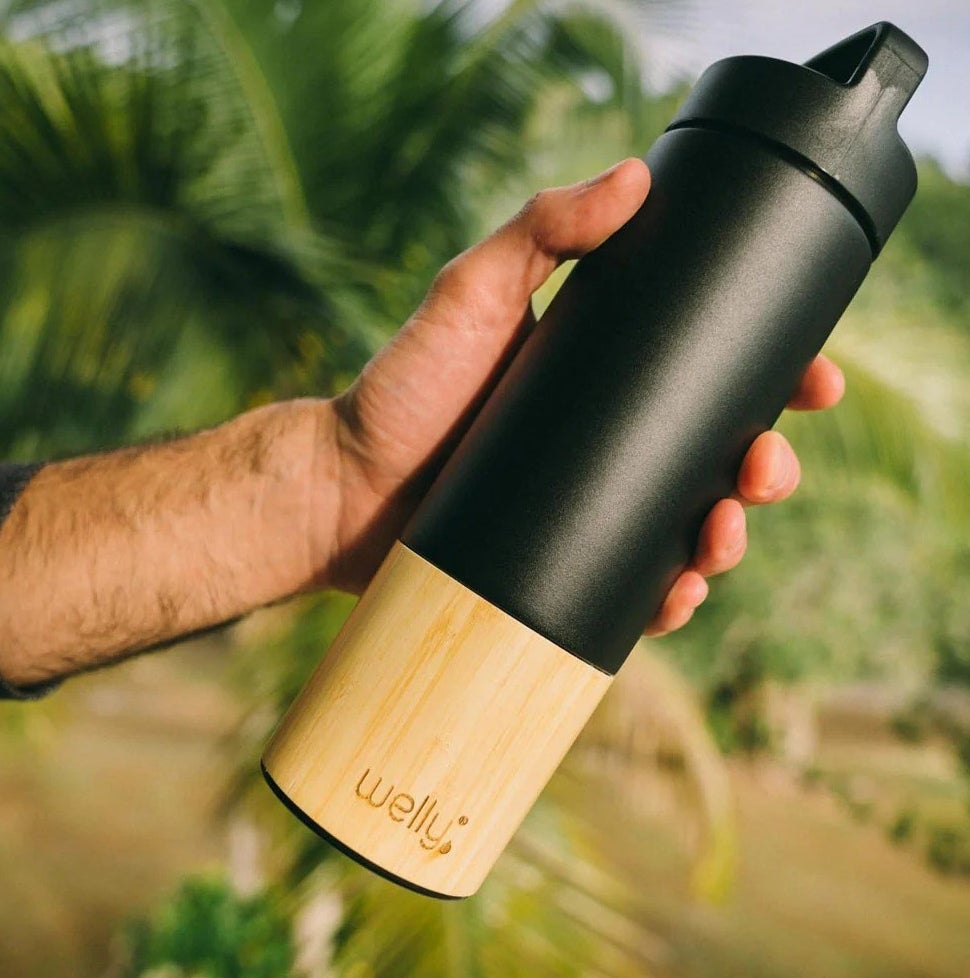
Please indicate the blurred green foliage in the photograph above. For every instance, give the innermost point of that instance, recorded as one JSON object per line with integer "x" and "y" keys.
{"x": 207, "y": 206}
{"x": 938, "y": 229}
{"x": 209, "y": 930}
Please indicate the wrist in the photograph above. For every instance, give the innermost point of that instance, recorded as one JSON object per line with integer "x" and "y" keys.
{"x": 292, "y": 457}
{"x": 332, "y": 486}
{"x": 358, "y": 503}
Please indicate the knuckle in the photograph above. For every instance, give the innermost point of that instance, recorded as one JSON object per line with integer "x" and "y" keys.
{"x": 451, "y": 277}
{"x": 537, "y": 217}
{"x": 538, "y": 202}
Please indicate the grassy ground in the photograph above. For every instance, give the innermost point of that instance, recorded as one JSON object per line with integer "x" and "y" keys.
{"x": 818, "y": 894}
{"x": 109, "y": 793}
{"x": 107, "y": 797}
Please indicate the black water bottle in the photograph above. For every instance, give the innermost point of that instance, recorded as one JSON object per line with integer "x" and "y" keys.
{"x": 575, "y": 499}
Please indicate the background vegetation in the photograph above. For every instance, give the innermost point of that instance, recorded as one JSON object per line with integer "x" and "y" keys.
{"x": 207, "y": 206}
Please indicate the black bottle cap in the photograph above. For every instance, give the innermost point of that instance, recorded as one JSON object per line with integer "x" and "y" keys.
{"x": 835, "y": 115}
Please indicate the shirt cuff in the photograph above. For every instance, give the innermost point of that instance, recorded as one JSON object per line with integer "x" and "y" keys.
{"x": 8, "y": 692}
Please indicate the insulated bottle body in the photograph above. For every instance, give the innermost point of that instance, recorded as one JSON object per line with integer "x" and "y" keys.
{"x": 577, "y": 494}
{"x": 552, "y": 534}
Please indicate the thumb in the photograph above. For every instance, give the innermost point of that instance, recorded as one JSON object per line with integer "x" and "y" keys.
{"x": 417, "y": 392}
{"x": 555, "y": 225}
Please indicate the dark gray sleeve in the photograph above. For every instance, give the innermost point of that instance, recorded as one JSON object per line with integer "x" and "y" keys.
{"x": 13, "y": 480}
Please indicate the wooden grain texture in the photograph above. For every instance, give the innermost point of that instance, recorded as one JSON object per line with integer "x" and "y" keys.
{"x": 430, "y": 727}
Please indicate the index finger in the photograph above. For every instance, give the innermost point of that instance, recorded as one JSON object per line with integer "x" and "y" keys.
{"x": 822, "y": 385}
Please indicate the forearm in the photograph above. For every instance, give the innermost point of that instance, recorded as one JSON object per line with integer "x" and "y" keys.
{"x": 106, "y": 555}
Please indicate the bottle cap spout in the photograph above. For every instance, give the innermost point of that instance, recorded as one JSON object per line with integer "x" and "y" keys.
{"x": 835, "y": 115}
{"x": 879, "y": 60}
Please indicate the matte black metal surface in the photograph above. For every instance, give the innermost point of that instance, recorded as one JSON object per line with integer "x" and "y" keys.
{"x": 577, "y": 495}
{"x": 838, "y": 111}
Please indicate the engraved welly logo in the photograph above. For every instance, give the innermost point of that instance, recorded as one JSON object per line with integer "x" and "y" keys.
{"x": 419, "y": 818}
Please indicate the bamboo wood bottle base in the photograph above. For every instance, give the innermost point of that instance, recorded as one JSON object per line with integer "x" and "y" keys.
{"x": 345, "y": 849}
{"x": 428, "y": 730}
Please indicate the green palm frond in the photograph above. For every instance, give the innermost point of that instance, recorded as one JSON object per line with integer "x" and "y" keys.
{"x": 411, "y": 100}
{"x": 160, "y": 133}
{"x": 142, "y": 215}
{"x": 136, "y": 103}
{"x": 544, "y": 911}
{"x": 405, "y": 98}
{"x": 648, "y": 750}
{"x": 904, "y": 346}
{"x": 520, "y": 925}
{"x": 882, "y": 432}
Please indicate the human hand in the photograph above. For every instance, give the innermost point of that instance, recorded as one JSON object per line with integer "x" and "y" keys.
{"x": 389, "y": 433}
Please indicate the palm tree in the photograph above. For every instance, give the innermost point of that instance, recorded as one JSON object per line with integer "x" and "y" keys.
{"x": 269, "y": 223}
{"x": 191, "y": 226}
{"x": 208, "y": 205}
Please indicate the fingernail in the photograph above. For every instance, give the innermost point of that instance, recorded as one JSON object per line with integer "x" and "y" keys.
{"x": 600, "y": 177}
{"x": 702, "y": 593}
{"x": 693, "y": 595}
{"x": 779, "y": 471}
